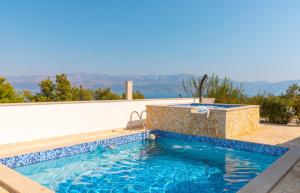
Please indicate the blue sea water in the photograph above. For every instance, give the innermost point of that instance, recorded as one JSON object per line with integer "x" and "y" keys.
{"x": 164, "y": 165}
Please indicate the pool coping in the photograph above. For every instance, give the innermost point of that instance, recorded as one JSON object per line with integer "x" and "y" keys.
{"x": 264, "y": 182}
{"x": 15, "y": 182}
{"x": 85, "y": 102}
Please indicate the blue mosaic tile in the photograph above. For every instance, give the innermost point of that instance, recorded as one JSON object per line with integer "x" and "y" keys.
{"x": 35, "y": 157}
{"x": 226, "y": 143}
{"x": 31, "y": 158}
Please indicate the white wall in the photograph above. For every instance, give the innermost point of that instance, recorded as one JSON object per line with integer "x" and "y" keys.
{"x": 26, "y": 122}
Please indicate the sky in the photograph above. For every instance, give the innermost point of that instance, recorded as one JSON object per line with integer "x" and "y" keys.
{"x": 245, "y": 40}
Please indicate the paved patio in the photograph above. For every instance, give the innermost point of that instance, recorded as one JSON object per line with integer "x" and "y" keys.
{"x": 2, "y": 190}
{"x": 274, "y": 134}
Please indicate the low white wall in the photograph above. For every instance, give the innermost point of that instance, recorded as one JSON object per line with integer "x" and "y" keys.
{"x": 24, "y": 122}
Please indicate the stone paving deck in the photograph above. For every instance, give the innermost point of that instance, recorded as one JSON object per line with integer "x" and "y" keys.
{"x": 273, "y": 135}
{"x": 2, "y": 190}
{"x": 290, "y": 183}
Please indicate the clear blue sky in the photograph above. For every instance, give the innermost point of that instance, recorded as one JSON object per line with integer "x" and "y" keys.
{"x": 243, "y": 39}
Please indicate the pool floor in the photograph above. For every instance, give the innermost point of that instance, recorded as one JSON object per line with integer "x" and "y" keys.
{"x": 164, "y": 165}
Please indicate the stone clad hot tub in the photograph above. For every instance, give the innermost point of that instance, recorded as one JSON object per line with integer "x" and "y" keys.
{"x": 213, "y": 120}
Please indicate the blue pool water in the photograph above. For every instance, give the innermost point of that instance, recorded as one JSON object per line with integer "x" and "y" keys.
{"x": 166, "y": 165}
{"x": 216, "y": 106}
{"x": 205, "y": 107}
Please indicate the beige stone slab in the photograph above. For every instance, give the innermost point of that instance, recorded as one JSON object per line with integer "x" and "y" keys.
{"x": 14, "y": 182}
{"x": 265, "y": 181}
{"x": 273, "y": 135}
{"x": 84, "y": 102}
{"x": 291, "y": 182}
{"x": 2, "y": 190}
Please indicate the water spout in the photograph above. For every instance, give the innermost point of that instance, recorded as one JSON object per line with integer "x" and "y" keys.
{"x": 201, "y": 87}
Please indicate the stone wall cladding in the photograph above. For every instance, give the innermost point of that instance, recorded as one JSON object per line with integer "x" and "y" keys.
{"x": 241, "y": 121}
{"x": 185, "y": 120}
{"x": 221, "y": 123}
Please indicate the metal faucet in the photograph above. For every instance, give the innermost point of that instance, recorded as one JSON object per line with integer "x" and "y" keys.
{"x": 201, "y": 87}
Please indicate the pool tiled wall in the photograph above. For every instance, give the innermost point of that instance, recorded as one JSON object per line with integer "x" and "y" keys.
{"x": 31, "y": 158}
{"x": 225, "y": 143}
{"x": 35, "y": 157}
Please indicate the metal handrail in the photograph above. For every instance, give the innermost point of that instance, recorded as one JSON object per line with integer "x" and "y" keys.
{"x": 144, "y": 111}
{"x": 140, "y": 116}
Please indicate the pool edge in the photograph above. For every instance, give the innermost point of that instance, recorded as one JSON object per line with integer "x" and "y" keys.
{"x": 269, "y": 178}
{"x": 14, "y": 182}
{"x": 264, "y": 182}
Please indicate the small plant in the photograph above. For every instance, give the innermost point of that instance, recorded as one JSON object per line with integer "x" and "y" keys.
{"x": 275, "y": 109}
{"x": 223, "y": 90}
{"x": 297, "y": 118}
{"x": 296, "y": 108}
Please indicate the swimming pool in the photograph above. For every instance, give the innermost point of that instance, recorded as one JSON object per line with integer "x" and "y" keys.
{"x": 173, "y": 163}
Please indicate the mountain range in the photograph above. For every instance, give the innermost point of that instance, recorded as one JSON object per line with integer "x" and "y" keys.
{"x": 153, "y": 86}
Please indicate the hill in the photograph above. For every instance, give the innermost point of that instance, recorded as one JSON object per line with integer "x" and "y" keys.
{"x": 153, "y": 86}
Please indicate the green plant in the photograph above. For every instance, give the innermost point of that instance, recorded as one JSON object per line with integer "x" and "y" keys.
{"x": 296, "y": 108}
{"x": 47, "y": 88}
{"x": 190, "y": 86}
{"x": 63, "y": 88}
{"x": 223, "y": 90}
{"x": 276, "y": 109}
{"x": 8, "y": 93}
{"x": 137, "y": 95}
{"x": 105, "y": 94}
{"x": 81, "y": 94}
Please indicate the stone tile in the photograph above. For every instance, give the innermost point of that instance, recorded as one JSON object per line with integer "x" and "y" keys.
{"x": 2, "y": 190}
{"x": 15, "y": 182}
{"x": 291, "y": 182}
{"x": 273, "y": 135}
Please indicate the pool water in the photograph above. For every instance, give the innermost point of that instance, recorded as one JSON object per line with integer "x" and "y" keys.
{"x": 220, "y": 106}
{"x": 203, "y": 108}
{"x": 164, "y": 165}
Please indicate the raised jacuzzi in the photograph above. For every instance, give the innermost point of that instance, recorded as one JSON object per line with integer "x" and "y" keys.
{"x": 213, "y": 120}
